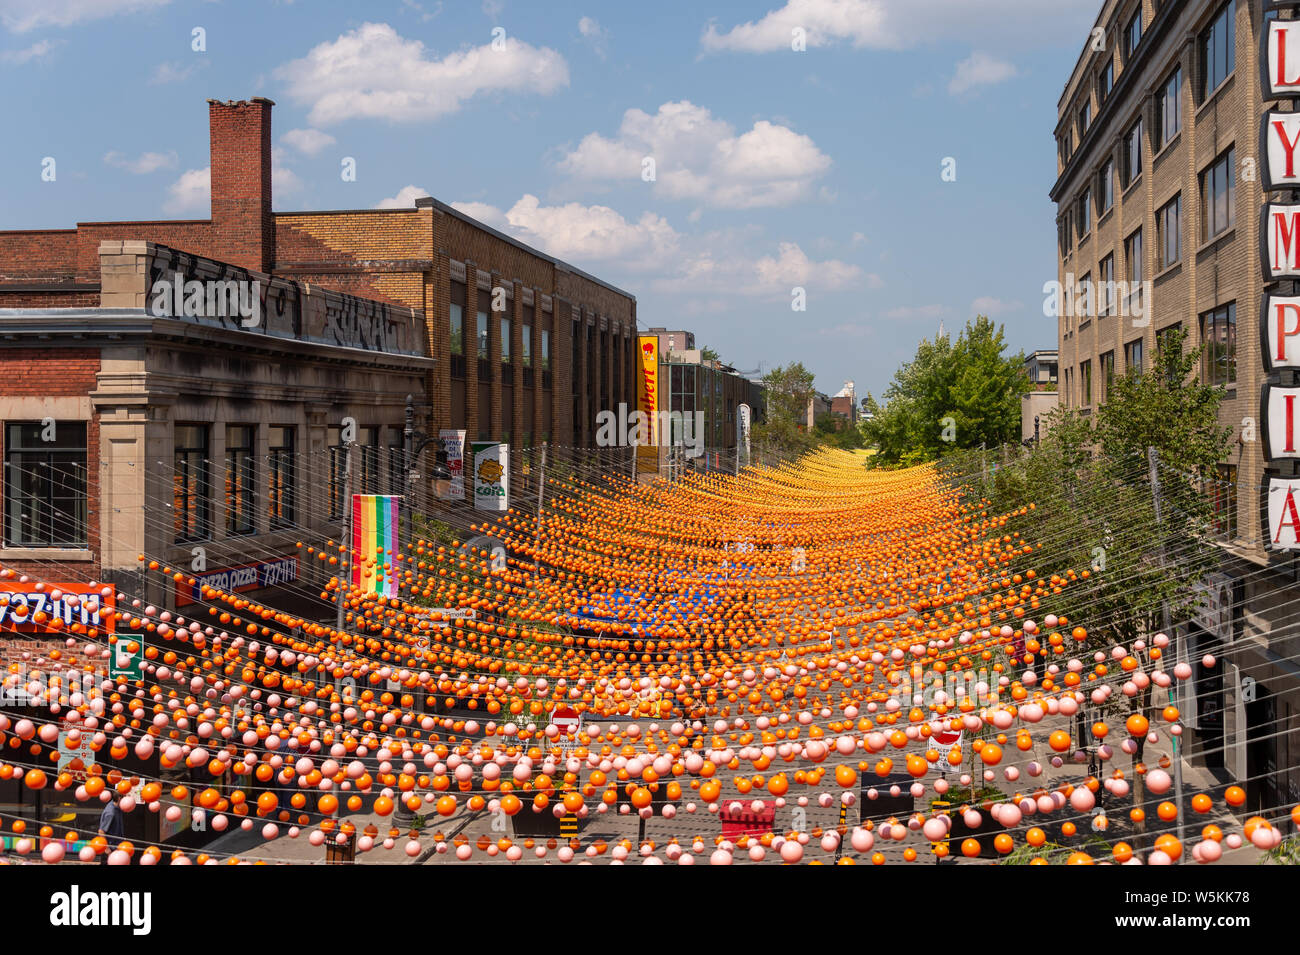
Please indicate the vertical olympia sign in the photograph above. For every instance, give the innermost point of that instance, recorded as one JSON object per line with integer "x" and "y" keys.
{"x": 1279, "y": 251}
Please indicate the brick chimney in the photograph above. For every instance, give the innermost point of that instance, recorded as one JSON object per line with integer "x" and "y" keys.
{"x": 242, "y": 225}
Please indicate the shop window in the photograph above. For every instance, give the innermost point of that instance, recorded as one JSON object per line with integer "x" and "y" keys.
{"x": 45, "y": 484}
{"x": 191, "y": 492}
{"x": 281, "y": 490}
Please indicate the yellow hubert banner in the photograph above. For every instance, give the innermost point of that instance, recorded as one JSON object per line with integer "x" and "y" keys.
{"x": 647, "y": 454}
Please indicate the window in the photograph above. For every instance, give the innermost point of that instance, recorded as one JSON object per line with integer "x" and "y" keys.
{"x": 45, "y": 484}
{"x": 1218, "y": 196}
{"x": 1084, "y": 305}
{"x": 545, "y": 358}
{"x": 1085, "y": 382}
{"x": 1169, "y": 111}
{"x": 1069, "y": 386}
{"x": 527, "y": 346}
{"x": 241, "y": 474}
{"x": 1133, "y": 357}
{"x": 1217, "y": 51}
{"x": 1107, "y": 375}
{"x": 1106, "y": 187}
{"x": 1133, "y": 273}
{"x": 1224, "y": 498}
{"x": 456, "y": 329}
{"x": 1133, "y": 33}
{"x": 280, "y": 473}
{"x": 457, "y": 334}
{"x": 1085, "y": 118}
{"x": 1064, "y": 234}
{"x": 1167, "y": 231}
{"x": 396, "y": 461}
{"x": 1132, "y": 167}
{"x": 505, "y": 340}
{"x": 191, "y": 495}
{"x": 1105, "y": 80}
{"x": 482, "y": 335}
{"x": 1085, "y": 213}
{"x": 1064, "y": 146}
{"x": 1219, "y": 332}
{"x": 1106, "y": 287}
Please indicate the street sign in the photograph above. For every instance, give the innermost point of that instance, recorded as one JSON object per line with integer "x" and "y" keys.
{"x": 566, "y": 720}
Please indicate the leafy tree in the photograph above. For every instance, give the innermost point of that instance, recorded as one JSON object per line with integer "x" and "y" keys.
{"x": 950, "y": 396}
{"x": 710, "y": 354}
{"x": 788, "y": 389}
{"x": 1085, "y": 495}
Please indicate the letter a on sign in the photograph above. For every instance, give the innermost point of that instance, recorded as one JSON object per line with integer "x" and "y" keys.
{"x": 1283, "y": 514}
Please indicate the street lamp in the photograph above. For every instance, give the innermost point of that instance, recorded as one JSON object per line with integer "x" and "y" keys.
{"x": 414, "y": 442}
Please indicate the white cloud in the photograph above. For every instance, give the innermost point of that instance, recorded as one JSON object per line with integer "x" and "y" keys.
{"x": 595, "y": 34}
{"x": 36, "y": 51}
{"x": 19, "y": 16}
{"x": 699, "y": 157}
{"x": 144, "y": 163}
{"x": 173, "y": 72}
{"x": 979, "y": 69}
{"x": 990, "y": 306}
{"x": 493, "y": 8}
{"x": 579, "y": 233}
{"x": 192, "y": 192}
{"x": 284, "y": 181}
{"x": 372, "y": 72}
{"x": 859, "y": 238}
{"x": 405, "y": 198}
{"x": 898, "y": 24}
{"x": 309, "y": 141}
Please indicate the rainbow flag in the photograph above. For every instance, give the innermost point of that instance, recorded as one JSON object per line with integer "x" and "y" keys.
{"x": 374, "y": 535}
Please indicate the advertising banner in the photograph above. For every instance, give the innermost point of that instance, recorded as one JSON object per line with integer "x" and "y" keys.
{"x": 647, "y": 402}
{"x": 491, "y": 476}
{"x": 252, "y": 576}
{"x": 453, "y": 445}
{"x": 374, "y": 539}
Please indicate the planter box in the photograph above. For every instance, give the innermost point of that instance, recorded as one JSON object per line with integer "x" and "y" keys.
{"x": 885, "y": 805}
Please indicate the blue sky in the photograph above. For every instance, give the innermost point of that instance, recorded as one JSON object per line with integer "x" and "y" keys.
{"x": 773, "y": 168}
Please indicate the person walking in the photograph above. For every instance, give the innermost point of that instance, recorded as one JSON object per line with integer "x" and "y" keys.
{"x": 111, "y": 825}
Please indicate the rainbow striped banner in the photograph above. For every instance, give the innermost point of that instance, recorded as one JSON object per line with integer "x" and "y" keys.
{"x": 374, "y": 535}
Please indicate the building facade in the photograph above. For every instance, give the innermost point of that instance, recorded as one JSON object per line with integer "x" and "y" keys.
{"x": 526, "y": 347}
{"x": 1159, "y": 198}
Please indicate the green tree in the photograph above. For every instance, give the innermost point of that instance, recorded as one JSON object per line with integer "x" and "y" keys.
{"x": 710, "y": 354}
{"x": 787, "y": 391}
{"x": 1085, "y": 495}
{"x": 950, "y": 396}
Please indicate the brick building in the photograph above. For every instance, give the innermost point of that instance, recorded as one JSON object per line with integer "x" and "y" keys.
{"x": 526, "y": 347}
{"x": 1159, "y": 201}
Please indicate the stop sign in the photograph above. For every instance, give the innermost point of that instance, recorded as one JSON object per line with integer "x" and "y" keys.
{"x": 566, "y": 720}
{"x": 942, "y": 737}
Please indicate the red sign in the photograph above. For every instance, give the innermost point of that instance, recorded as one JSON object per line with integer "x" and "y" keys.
{"x": 26, "y": 609}
{"x": 566, "y": 720}
{"x": 740, "y": 819}
{"x": 949, "y": 738}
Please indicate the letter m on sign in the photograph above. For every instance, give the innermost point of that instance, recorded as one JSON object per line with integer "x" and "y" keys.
{"x": 1281, "y": 241}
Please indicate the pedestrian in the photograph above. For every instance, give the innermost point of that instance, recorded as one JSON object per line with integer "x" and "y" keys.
{"x": 110, "y": 823}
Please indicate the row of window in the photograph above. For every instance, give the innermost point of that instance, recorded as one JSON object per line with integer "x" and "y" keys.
{"x": 1216, "y": 59}
{"x": 1218, "y": 361}
{"x": 192, "y": 487}
{"x": 1218, "y": 214}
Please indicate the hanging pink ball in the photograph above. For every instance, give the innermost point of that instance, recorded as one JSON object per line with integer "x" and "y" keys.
{"x": 53, "y": 852}
{"x": 791, "y": 851}
{"x": 1082, "y": 799}
{"x": 1210, "y": 850}
{"x": 119, "y": 857}
{"x": 317, "y": 838}
{"x": 1158, "y": 781}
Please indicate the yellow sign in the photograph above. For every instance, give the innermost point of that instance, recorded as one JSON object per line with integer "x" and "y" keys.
{"x": 648, "y": 403}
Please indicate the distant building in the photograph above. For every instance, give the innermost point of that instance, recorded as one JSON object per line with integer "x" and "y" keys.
{"x": 845, "y": 403}
{"x": 818, "y": 405}
{"x": 1041, "y": 366}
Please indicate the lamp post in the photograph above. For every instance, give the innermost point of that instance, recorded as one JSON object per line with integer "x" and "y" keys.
{"x": 413, "y": 442}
